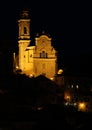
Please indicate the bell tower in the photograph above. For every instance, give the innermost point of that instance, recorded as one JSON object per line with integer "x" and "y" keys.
{"x": 24, "y": 25}
{"x": 23, "y": 36}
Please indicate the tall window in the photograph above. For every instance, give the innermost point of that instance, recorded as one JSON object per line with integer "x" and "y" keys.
{"x": 25, "y": 30}
{"x": 43, "y": 54}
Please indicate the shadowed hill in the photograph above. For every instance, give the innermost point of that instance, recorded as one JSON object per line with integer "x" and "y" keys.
{"x": 23, "y": 97}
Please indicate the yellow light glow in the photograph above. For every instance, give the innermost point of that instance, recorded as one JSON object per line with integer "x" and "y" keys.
{"x": 31, "y": 75}
{"x": 52, "y": 78}
{"x": 82, "y": 106}
{"x": 60, "y": 71}
{"x": 67, "y": 97}
{"x": 17, "y": 67}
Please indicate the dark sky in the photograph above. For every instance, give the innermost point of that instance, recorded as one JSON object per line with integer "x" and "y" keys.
{"x": 68, "y": 22}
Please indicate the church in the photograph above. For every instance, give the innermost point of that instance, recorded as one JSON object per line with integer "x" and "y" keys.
{"x": 40, "y": 58}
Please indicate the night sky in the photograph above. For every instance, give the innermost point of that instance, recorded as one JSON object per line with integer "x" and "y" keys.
{"x": 68, "y": 23}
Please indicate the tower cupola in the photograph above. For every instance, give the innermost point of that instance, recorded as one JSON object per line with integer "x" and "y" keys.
{"x": 24, "y": 26}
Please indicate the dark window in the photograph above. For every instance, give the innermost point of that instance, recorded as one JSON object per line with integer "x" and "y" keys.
{"x": 46, "y": 55}
{"x": 25, "y": 30}
{"x": 31, "y": 55}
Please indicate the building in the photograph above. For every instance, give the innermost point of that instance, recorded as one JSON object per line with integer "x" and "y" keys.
{"x": 37, "y": 58}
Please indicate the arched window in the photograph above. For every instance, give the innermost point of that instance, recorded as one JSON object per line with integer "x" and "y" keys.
{"x": 43, "y": 54}
{"x": 25, "y": 30}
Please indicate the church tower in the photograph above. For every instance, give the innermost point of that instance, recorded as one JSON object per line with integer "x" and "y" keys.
{"x": 23, "y": 36}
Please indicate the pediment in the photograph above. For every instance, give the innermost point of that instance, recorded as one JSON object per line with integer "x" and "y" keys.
{"x": 43, "y": 41}
{"x": 43, "y": 38}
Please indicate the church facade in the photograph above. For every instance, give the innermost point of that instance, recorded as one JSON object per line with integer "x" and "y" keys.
{"x": 37, "y": 59}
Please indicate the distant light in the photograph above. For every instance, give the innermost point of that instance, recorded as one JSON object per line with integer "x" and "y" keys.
{"x": 31, "y": 75}
{"x": 51, "y": 78}
{"x": 60, "y": 71}
{"x": 82, "y": 106}
{"x": 66, "y": 103}
{"x": 68, "y": 97}
{"x": 71, "y": 86}
{"x": 75, "y": 104}
{"x": 39, "y": 108}
{"x": 77, "y": 86}
{"x": 17, "y": 67}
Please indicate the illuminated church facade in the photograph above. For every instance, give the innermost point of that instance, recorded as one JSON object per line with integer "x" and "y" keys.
{"x": 37, "y": 59}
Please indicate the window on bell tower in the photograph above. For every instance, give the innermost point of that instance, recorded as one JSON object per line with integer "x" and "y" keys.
{"x": 25, "y": 30}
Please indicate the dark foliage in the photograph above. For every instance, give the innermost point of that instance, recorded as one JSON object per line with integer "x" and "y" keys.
{"x": 29, "y": 103}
